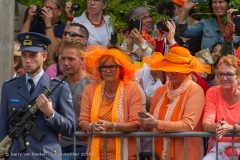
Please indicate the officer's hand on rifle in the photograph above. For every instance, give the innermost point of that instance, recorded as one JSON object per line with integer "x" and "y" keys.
{"x": 45, "y": 105}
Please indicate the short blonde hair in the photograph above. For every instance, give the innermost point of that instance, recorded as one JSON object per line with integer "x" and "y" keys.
{"x": 230, "y": 60}
{"x": 73, "y": 43}
{"x": 16, "y": 47}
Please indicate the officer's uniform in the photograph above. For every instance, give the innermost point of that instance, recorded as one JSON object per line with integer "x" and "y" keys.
{"x": 15, "y": 94}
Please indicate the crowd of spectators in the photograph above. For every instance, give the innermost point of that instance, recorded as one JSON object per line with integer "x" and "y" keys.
{"x": 184, "y": 78}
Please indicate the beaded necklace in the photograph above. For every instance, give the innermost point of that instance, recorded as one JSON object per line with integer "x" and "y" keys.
{"x": 95, "y": 25}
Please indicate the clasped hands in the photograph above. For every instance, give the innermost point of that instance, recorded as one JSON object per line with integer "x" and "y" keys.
{"x": 222, "y": 128}
{"x": 100, "y": 127}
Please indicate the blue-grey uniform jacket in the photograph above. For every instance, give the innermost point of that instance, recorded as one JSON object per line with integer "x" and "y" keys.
{"x": 15, "y": 94}
{"x": 207, "y": 29}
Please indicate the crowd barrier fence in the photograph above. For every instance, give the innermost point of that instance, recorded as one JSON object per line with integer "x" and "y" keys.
{"x": 158, "y": 134}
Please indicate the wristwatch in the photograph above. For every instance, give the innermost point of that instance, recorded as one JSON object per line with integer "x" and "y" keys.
{"x": 114, "y": 126}
{"x": 144, "y": 46}
{"x": 234, "y": 128}
{"x": 50, "y": 27}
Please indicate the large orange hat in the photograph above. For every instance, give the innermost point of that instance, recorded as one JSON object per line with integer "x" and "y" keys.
{"x": 179, "y": 2}
{"x": 94, "y": 53}
{"x": 178, "y": 59}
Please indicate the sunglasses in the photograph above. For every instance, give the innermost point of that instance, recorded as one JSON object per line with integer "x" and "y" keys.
{"x": 73, "y": 34}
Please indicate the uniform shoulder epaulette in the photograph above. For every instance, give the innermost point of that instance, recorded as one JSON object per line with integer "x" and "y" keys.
{"x": 9, "y": 80}
{"x": 58, "y": 78}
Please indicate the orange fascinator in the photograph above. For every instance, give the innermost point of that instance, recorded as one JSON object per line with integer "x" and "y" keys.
{"x": 94, "y": 54}
{"x": 178, "y": 59}
{"x": 179, "y": 2}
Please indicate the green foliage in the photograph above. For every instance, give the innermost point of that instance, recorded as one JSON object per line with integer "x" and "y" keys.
{"x": 118, "y": 10}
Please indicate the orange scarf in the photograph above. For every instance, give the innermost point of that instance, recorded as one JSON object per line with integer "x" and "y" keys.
{"x": 174, "y": 117}
{"x": 94, "y": 118}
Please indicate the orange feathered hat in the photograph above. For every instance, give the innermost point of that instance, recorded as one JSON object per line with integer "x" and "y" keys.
{"x": 178, "y": 59}
{"x": 94, "y": 53}
{"x": 179, "y": 2}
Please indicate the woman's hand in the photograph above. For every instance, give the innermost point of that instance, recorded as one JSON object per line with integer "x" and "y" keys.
{"x": 222, "y": 128}
{"x": 129, "y": 42}
{"x": 98, "y": 129}
{"x": 48, "y": 16}
{"x": 137, "y": 38}
{"x": 171, "y": 32}
{"x": 230, "y": 27}
{"x": 68, "y": 9}
{"x": 149, "y": 122}
{"x": 32, "y": 12}
{"x": 105, "y": 124}
{"x": 188, "y": 5}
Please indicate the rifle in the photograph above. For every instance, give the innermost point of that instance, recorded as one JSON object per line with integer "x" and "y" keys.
{"x": 23, "y": 125}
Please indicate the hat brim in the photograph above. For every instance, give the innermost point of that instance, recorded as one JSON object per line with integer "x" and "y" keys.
{"x": 93, "y": 58}
{"x": 31, "y": 48}
{"x": 158, "y": 62}
{"x": 168, "y": 66}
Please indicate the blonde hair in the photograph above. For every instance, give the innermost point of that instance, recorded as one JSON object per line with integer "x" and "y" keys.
{"x": 230, "y": 60}
{"x": 16, "y": 47}
{"x": 73, "y": 43}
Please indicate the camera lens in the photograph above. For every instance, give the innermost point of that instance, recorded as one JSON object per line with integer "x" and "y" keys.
{"x": 75, "y": 7}
{"x": 161, "y": 26}
{"x": 39, "y": 10}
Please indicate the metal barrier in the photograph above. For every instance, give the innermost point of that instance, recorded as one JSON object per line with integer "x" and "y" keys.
{"x": 157, "y": 134}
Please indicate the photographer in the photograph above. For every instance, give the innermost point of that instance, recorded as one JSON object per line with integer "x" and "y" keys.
{"x": 95, "y": 19}
{"x": 173, "y": 9}
{"x": 140, "y": 41}
{"x": 210, "y": 30}
{"x": 51, "y": 26}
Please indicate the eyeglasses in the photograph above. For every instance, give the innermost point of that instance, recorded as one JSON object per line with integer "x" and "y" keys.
{"x": 95, "y": 1}
{"x": 73, "y": 34}
{"x": 111, "y": 68}
{"x": 51, "y": 8}
{"x": 228, "y": 75}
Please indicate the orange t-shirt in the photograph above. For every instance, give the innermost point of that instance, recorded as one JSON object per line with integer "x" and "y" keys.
{"x": 216, "y": 108}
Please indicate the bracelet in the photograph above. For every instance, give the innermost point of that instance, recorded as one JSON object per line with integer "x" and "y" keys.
{"x": 114, "y": 126}
{"x": 234, "y": 128}
{"x": 228, "y": 38}
{"x": 69, "y": 19}
{"x": 90, "y": 127}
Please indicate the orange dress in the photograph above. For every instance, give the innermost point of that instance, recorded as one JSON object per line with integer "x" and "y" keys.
{"x": 132, "y": 104}
{"x": 104, "y": 113}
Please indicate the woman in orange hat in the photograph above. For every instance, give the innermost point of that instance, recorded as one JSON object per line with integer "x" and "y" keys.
{"x": 111, "y": 105}
{"x": 176, "y": 106}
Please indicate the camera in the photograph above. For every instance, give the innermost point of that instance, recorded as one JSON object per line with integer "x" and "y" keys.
{"x": 161, "y": 25}
{"x": 39, "y": 10}
{"x": 236, "y": 21}
{"x": 114, "y": 38}
{"x": 75, "y": 7}
{"x": 135, "y": 23}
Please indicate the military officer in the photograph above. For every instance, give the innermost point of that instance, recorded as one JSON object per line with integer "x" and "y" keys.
{"x": 56, "y": 113}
